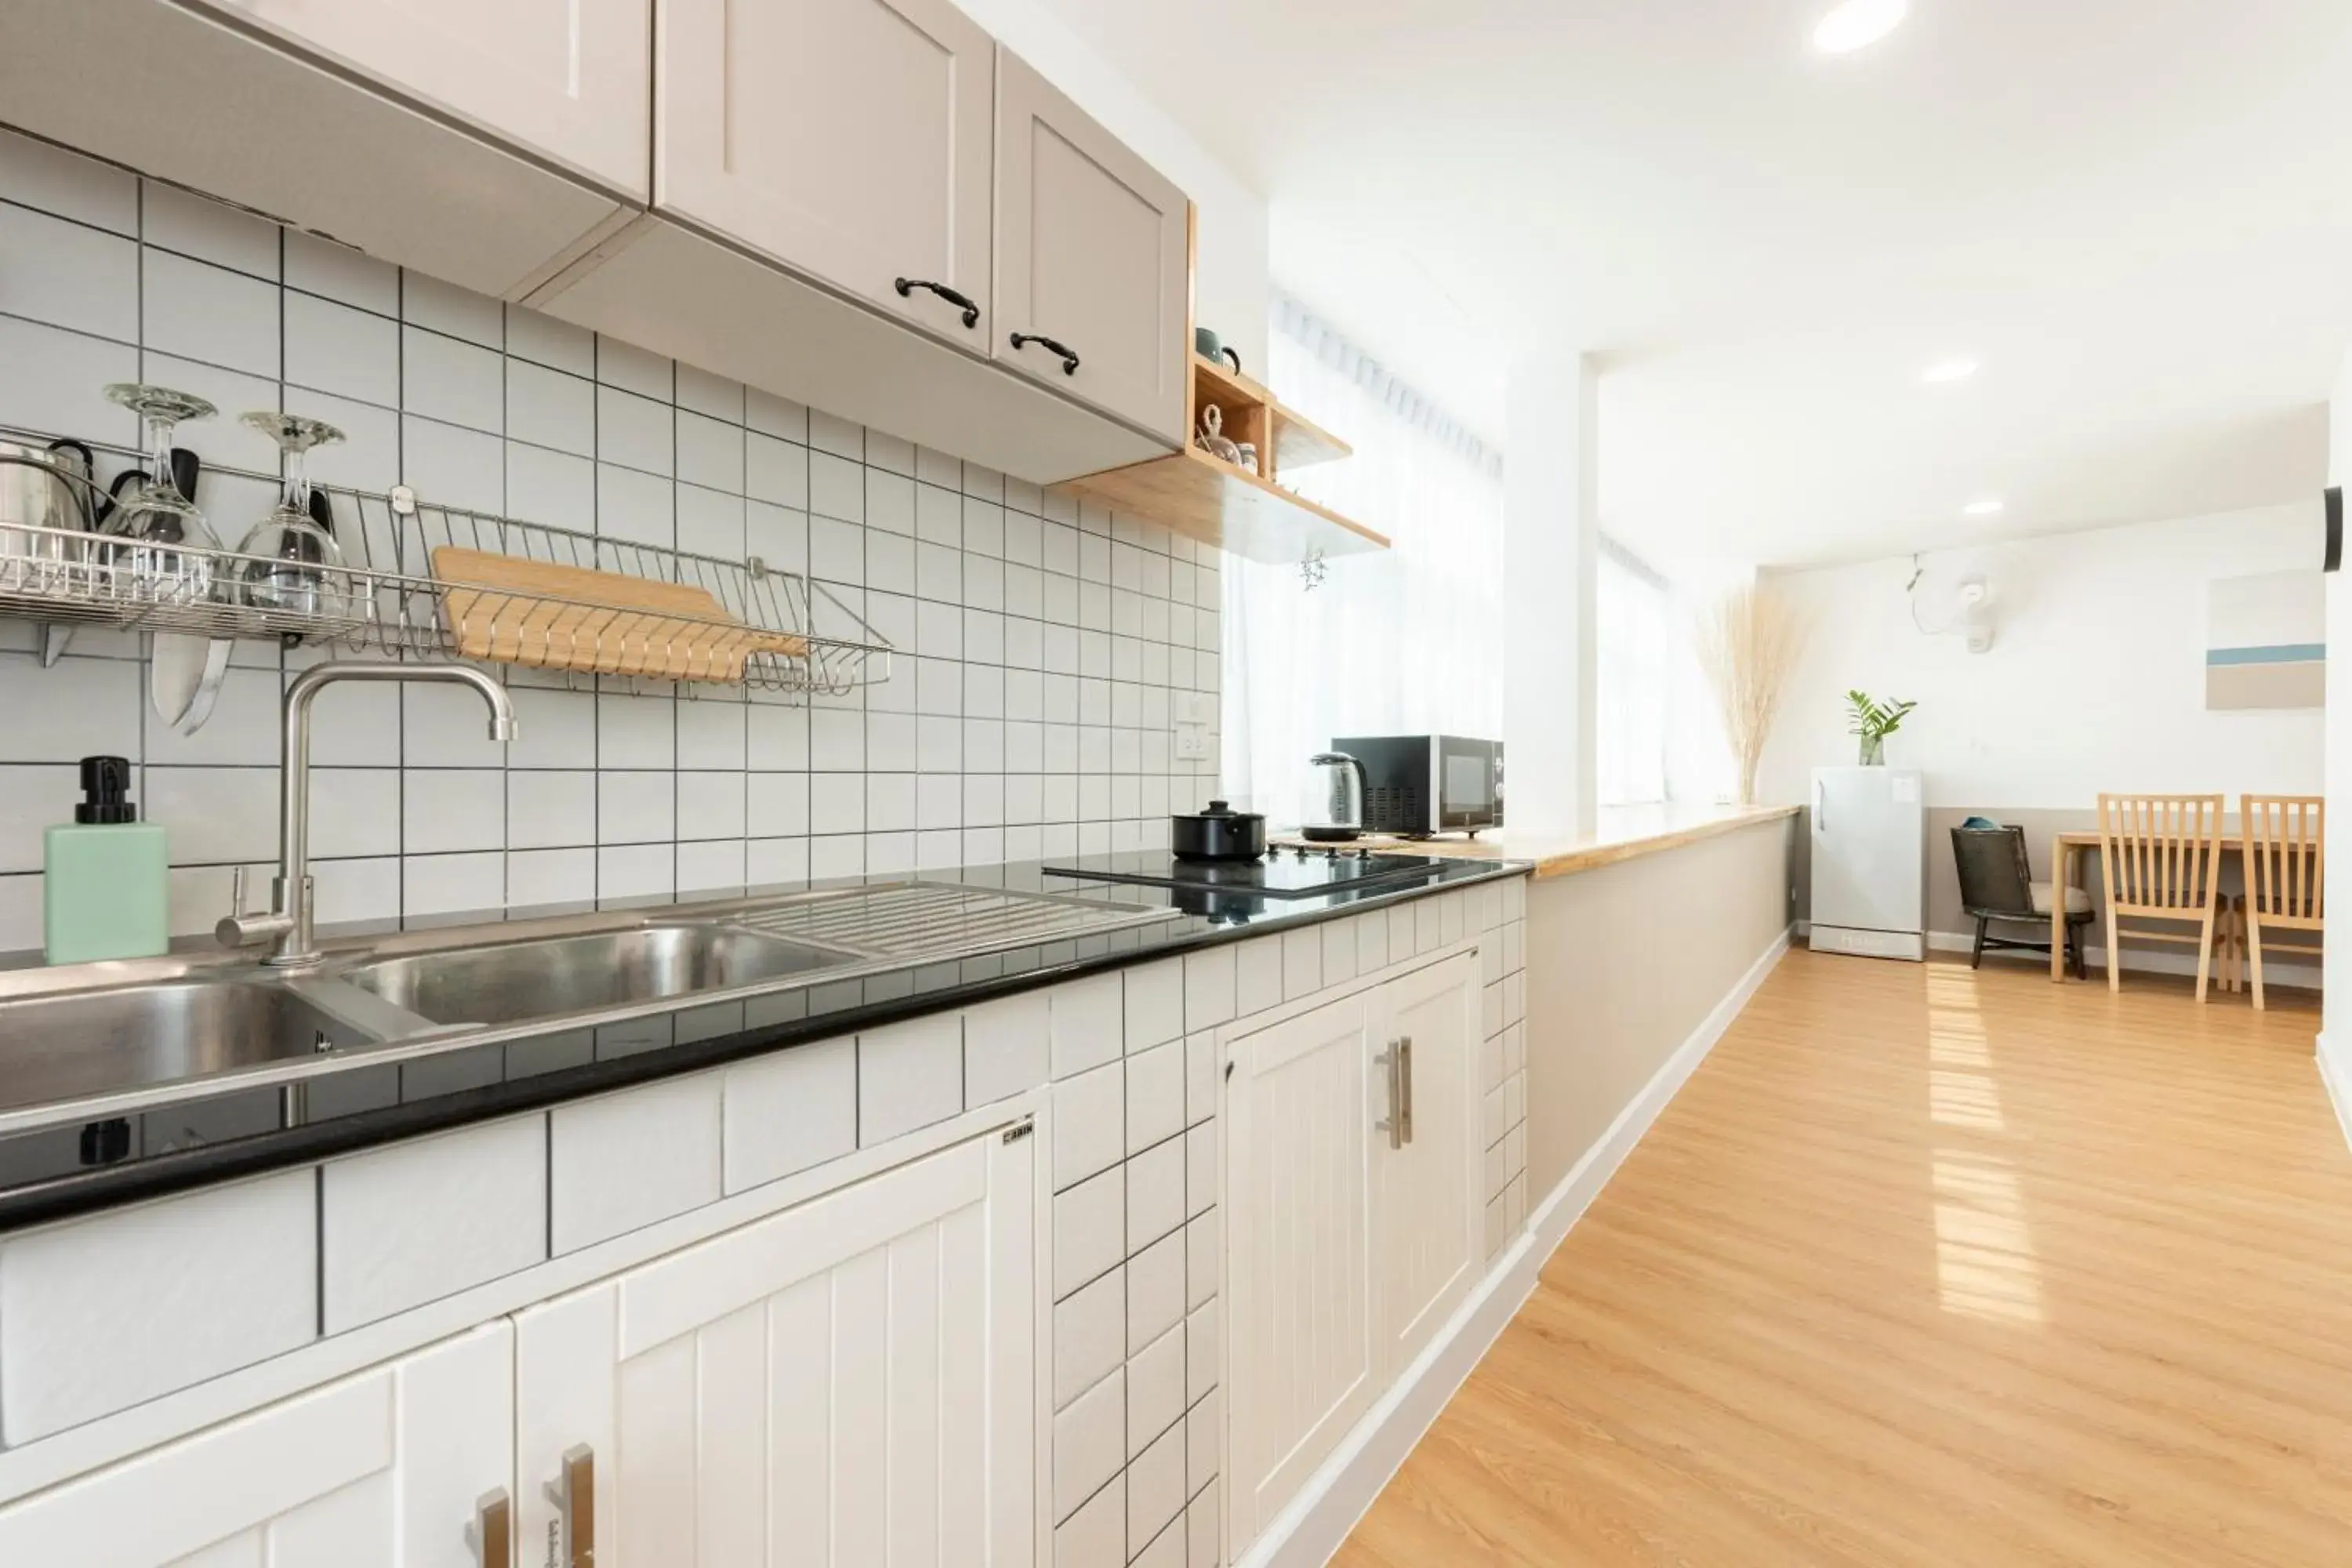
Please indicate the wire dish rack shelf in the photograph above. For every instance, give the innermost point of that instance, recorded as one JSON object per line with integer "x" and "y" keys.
{"x": 680, "y": 616}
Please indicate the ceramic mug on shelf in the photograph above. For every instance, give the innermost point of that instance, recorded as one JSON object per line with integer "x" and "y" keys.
{"x": 1210, "y": 346}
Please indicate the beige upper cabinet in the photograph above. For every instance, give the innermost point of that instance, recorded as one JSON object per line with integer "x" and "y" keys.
{"x": 848, "y": 139}
{"x": 1093, "y": 258}
{"x": 568, "y": 80}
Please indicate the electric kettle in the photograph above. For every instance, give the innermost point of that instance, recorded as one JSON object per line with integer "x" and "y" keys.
{"x": 1335, "y": 795}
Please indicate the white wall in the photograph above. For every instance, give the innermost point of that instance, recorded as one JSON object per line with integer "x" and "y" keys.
{"x": 2337, "y": 1023}
{"x": 1230, "y": 289}
{"x": 2095, "y": 680}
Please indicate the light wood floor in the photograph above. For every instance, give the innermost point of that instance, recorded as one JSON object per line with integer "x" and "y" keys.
{"x": 1927, "y": 1265}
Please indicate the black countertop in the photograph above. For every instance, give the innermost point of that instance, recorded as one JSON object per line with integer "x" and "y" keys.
{"x": 213, "y": 1136}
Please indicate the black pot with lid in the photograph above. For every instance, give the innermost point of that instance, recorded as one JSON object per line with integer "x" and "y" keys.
{"x": 1219, "y": 833}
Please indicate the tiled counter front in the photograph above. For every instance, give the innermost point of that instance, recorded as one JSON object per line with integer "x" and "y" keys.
{"x": 103, "y": 1314}
{"x": 100, "y": 1314}
{"x": 1138, "y": 1241}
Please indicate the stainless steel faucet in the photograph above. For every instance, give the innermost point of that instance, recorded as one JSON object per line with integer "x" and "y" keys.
{"x": 288, "y": 919}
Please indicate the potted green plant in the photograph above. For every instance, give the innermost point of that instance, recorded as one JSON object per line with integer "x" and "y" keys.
{"x": 1873, "y": 722}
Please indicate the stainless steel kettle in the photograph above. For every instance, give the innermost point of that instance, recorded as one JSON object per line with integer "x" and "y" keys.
{"x": 1336, "y": 799}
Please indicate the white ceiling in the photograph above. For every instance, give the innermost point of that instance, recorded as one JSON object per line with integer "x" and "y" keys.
{"x": 2138, "y": 214}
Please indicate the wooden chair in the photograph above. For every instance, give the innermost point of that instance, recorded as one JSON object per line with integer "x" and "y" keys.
{"x": 2160, "y": 858}
{"x": 2286, "y": 860}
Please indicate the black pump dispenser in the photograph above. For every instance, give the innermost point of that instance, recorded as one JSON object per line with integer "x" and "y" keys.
{"x": 106, "y": 792}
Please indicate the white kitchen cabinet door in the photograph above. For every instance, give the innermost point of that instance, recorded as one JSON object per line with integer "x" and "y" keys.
{"x": 1093, "y": 258}
{"x": 1431, "y": 1211}
{"x": 848, "y": 139}
{"x": 570, "y": 81}
{"x": 1303, "y": 1337}
{"x": 390, "y": 1469}
{"x": 850, "y": 1381}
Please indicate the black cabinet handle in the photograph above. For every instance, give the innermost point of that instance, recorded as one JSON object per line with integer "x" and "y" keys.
{"x": 1069, "y": 359}
{"x": 907, "y": 285}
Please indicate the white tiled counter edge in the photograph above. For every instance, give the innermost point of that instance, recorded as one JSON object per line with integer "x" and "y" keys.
{"x": 1138, "y": 1235}
{"x": 130, "y": 1313}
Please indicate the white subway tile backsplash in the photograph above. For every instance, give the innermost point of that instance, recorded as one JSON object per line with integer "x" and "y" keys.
{"x": 54, "y": 381}
{"x": 633, "y": 504}
{"x": 543, "y": 485}
{"x": 448, "y": 308}
{"x": 551, "y": 408}
{"x": 710, "y": 867}
{"x": 451, "y": 380}
{"x": 445, "y": 810}
{"x": 339, "y": 348}
{"x": 639, "y": 807}
{"x": 450, "y": 884}
{"x": 196, "y": 311}
{"x": 635, "y": 432}
{"x": 54, "y": 180}
{"x": 228, "y": 815}
{"x": 710, "y": 805}
{"x": 500, "y": 409}
{"x": 537, "y": 878}
{"x": 80, "y": 707}
{"x": 450, "y": 465}
{"x": 68, "y": 274}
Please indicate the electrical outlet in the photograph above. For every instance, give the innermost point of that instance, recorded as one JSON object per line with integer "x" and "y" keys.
{"x": 1191, "y": 742}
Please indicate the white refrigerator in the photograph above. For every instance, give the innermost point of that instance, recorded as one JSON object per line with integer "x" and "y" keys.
{"x": 1869, "y": 863}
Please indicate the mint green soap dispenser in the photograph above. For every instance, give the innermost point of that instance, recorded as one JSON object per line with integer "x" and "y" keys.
{"x": 105, "y": 879}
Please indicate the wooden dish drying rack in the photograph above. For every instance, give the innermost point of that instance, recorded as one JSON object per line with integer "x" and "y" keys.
{"x": 420, "y": 580}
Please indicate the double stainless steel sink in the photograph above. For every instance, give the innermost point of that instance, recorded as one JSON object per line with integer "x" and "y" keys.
{"x": 523, "y": 979}
{"x": 107, "y": 1039}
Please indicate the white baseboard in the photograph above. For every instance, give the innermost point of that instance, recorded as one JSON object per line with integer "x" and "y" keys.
{"x": 2335, "y": 1073}
{"x": 1316, "y": 1522}
{"x": 1552, "y": 1218}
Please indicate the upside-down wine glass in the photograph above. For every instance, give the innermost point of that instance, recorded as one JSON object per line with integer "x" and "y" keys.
{"x": 154, "y": 516}
{"x": 298, "y": 567}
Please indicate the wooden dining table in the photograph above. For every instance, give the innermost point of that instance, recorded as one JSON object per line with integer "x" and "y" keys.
{"x": 2066, "y": 866}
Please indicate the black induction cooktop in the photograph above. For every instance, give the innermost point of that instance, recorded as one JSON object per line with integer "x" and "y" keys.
{"x": 1284, "y": 873}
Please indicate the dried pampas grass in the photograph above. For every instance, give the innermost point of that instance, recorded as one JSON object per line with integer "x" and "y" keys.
{"x": 1748, "y": 643}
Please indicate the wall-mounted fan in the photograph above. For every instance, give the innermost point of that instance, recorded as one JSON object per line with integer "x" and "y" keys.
{"x": 1958, "y": 604}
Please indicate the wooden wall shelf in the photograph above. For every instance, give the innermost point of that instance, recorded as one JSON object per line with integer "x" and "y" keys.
{"x": 1210, "y": 500}
{"x": 1206, "y": 498}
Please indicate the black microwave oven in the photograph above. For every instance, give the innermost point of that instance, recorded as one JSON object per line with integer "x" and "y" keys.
{"x": 1420, "y": 784}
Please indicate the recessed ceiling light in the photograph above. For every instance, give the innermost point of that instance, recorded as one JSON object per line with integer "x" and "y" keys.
{"x": 1948, "y": 370}
{"x": 1981, "y": 508}
{"x": 1858, "y": 23}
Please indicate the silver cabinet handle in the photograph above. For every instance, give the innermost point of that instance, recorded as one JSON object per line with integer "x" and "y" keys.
{"x": 493, "y": 1531}
{"x": 1404, "y": 1073}
{"x": 1399, "y": 1113}
{"x": 574, "y": 1493}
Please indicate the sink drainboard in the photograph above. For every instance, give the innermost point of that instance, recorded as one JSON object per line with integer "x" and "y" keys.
{"x": 940, "y": 922}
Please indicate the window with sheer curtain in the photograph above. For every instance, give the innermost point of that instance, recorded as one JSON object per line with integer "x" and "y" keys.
{"x": 1398, "y": 641}
{"x": 1635, "y": 677}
